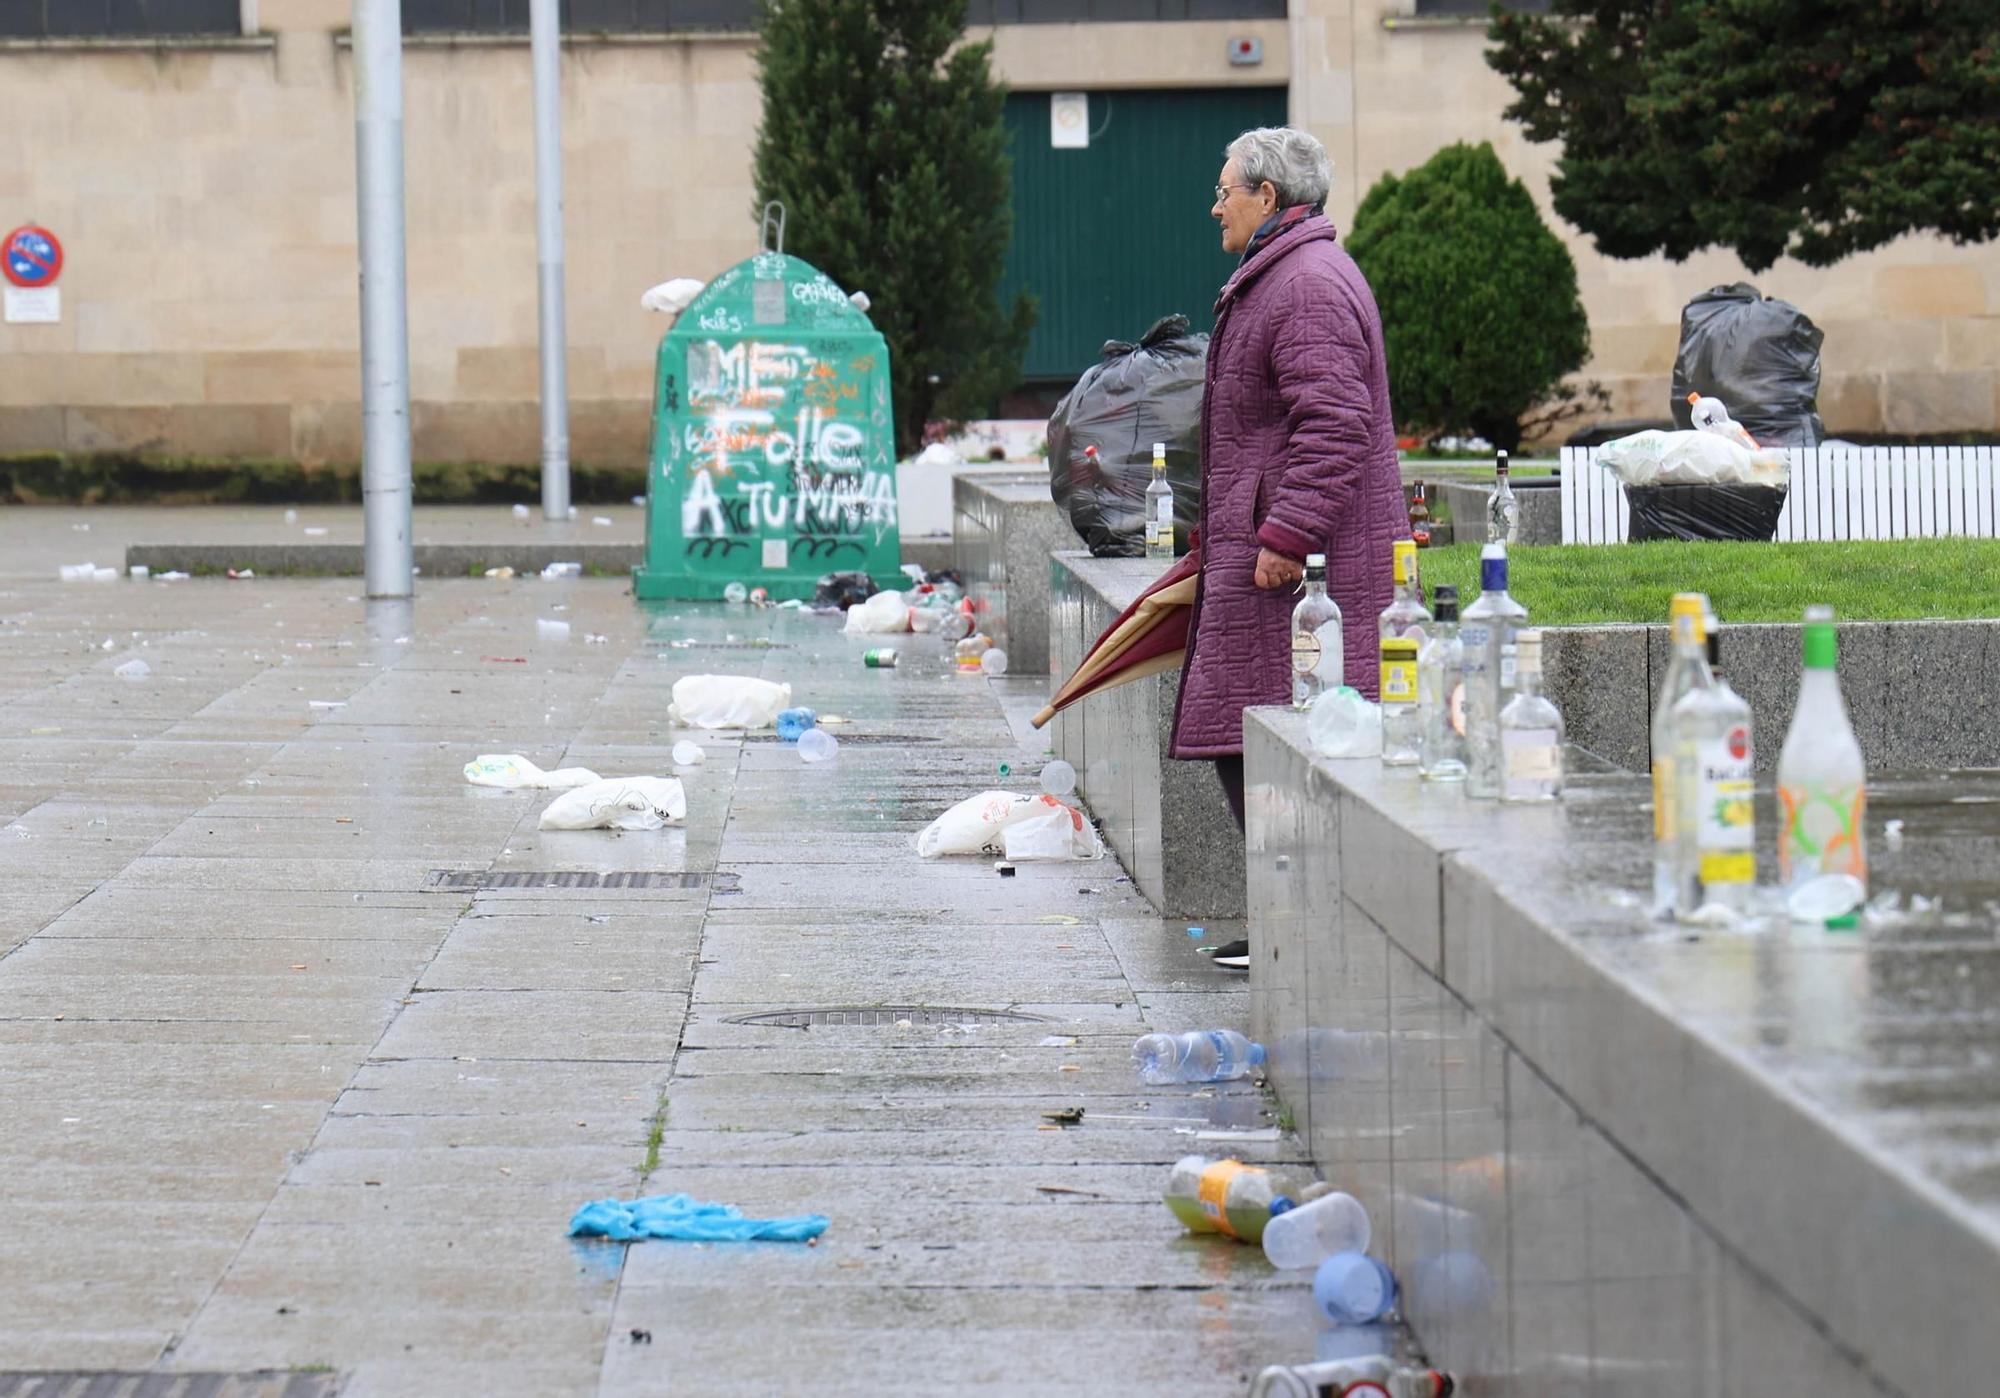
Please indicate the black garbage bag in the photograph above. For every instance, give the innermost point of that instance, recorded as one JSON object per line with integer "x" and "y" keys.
{"x": 843, "y": 590}
{"x": 1746, "y": 512}
{"x": 1759, "y": 356}
{"x": 1134, "y": 396}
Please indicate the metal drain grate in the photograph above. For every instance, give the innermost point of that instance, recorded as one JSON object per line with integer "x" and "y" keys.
{"x": 882, "y": 1017}
{"x": 853, "y": 739}
{"x": 262, "y": 1383}
{"x": 439, "y": 879}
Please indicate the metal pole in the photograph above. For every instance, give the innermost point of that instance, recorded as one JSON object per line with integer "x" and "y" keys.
{"x": 546, "y": 42}
{"x": 385, "y": 326}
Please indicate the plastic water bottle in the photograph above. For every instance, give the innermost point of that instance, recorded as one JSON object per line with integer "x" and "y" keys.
{"x": 793, "y": 723}
{"x": 1199, "y": 1055}
{"x": 1228, "y": 1197}
{"x": 1352, "y": 1288}
{"x": 817, "y": 745}
{"x": 1311, "y": 1233}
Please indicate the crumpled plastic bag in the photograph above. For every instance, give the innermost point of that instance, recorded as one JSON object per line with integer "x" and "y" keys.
{"x": 621, "y": 803}
{"x": 1654, "y": 457}
{"x": 728, "y": 701}
{"x": 986, "y": 824}
{"x": 687, "y": 1219}
{"x": 512, "y": 771}
{"x": 672, "y": 297}
{"x": 881, "y": 614}
{"x": 1343, "y": 724}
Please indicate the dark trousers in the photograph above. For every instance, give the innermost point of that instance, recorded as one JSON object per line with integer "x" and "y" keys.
{"x": 1230, "y": 769}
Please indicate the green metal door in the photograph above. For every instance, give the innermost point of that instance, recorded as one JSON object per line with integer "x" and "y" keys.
{"x": 1112, "y": 237}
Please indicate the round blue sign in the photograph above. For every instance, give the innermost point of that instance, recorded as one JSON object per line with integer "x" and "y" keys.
{"x": 31, "y": 257}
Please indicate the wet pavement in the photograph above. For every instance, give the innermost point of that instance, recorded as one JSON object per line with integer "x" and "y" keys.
{"x": 279, "y": 1092}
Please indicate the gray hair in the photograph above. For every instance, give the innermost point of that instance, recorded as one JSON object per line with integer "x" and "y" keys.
{"x": 1294, "y": 161}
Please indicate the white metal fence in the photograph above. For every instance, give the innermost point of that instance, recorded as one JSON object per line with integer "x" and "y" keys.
{"x": 1836, "y": 493}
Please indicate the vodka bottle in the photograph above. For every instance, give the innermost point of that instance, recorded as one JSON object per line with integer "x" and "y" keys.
{"x": 1159, "y": 508}
{"x": 1531, "y": 731}
{"x": 1404, "y": 626}
{"x": 1441, "y": 695}
{"x": 1319, "y": 663}
{"x": 1420, "y": 516}
{"x": 1821, "y": 780}
{"x": 1686, "y": 670}
{"x": 1503, "y": 516}
{"x": 1718, "y": 829}
{"x": 1488, "y": 627}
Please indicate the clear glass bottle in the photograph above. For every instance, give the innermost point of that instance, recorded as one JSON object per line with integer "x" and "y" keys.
{"x": 1405, "y": 620}
{"x": 1488, "y": 627}
{"x": 1822, "y": 780}
{"x": 1319, "y": 659}
{"x": 1687, "y": 670}
{"x": 1718, "y": 827}
{"x": 1420, "y": 516}
{"x": 1531, "y": 731}
{"x": 1441, "y": 695}
{"x": 1159, "y": 508}
{"x": 1503, "y": 516}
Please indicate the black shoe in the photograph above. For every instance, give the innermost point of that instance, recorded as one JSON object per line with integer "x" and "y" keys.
{"x": 1234, "y": 955}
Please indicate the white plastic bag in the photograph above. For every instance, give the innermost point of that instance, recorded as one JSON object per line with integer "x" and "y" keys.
{"x": 622, "y": 803}
{"x": 513, "y": 771}
{"x": 728, "y": 701}
{"x": 881, "y": 614}
{"x": 672, "y": 297}
{"x": 1343, "y": 724}
{"x": 1691, "y": 458}
{"x": 983, "y": 824}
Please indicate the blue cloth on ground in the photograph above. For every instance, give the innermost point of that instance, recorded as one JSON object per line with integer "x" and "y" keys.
{"x": 681, "y": 1217}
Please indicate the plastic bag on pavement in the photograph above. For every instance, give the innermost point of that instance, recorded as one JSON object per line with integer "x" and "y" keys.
{"x": 620, "y": 803}
{"x": 981, "y": 825}
{"x": 512, "y": 771}
{"x": 1760, "y": 356}
{"x": 728, "y": 701}
{"x": 1134, "y": 396}
{"x": 881, "y": 614}
{"x": 1343, "y": 724}
{"x": 682, "y": 1217}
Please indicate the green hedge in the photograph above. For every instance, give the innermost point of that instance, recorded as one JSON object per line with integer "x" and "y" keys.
{"x": 54, "y": 478}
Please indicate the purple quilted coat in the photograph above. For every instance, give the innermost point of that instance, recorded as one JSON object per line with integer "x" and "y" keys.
{"x": 1298, "y": 455}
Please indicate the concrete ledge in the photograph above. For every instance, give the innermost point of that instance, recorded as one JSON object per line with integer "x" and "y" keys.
{"x": 1004, "y": 528}
{"x": 1540, "y": 507}
{"x": 1168, "y": 820}
{"x": 345, "y": 560}
{"x": 1605, "y": 1158}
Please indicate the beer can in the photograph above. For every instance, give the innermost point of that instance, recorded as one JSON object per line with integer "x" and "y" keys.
{"x": 881, "y": 658}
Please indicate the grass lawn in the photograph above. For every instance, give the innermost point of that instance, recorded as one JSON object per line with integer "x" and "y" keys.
{"x": 1870, "y": 580}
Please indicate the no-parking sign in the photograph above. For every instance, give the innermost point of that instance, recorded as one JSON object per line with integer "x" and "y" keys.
{"x": 31, "y": 259}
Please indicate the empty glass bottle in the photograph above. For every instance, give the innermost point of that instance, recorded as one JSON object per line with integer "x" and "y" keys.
{"x": 1319, "y": 657}
{"x": 1441, "y": 695}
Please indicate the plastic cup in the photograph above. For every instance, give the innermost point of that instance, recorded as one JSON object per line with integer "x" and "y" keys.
{"x": 1825, "y": 898}
{"x": 1352, "y": 1288}
{"x": 688, "y": 754}
{"x": 817, "y": 745}
{"x": 735, "y": 592}
{"x": 994, "y": 662}
{"x": 1058, "y": 778}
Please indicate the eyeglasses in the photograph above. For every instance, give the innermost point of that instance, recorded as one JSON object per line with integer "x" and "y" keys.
{"x": 1222, "y": 190}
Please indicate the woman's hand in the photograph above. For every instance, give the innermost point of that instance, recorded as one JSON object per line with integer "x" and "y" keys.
{"x": 1274, "y": 570}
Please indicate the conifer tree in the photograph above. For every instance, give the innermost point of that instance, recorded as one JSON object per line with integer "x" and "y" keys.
{"x": 884, "y": 137}
{"x": 1803, "y": 128}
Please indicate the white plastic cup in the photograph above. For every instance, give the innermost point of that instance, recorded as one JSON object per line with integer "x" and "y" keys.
{"x": 1309, "y": 1234}
{"x": 688, "y": 754}
{"x": 994, "y": 662}
{"x": 817, "y": 745}
{"x": 1058, "y": 778}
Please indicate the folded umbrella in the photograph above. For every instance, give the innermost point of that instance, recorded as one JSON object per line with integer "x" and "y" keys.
{"x": 1149, "y": 637}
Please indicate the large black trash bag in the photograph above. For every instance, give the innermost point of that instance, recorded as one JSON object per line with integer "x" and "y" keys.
{"x": 1134, "y": 396}
{"x": 1759, "y": 356}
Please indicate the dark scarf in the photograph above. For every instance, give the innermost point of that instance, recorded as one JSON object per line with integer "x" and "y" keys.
{"x": 1278, "y": 223}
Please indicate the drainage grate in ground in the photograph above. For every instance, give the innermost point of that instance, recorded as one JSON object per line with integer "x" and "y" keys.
{"x": 439, "y": 879}
{"x": 853, "y": 739}
{"x": 882, "y": 1017}
{"x": 263, "y": 1383}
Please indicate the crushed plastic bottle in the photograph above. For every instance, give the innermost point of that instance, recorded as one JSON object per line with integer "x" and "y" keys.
{"x": 735, "y": 592}
{"x": 1199, "y": 1055}
{"x": 1352, "y": 1288}
{"x": 1311, "y": 1233}
{"x": 956, "y": 626}
{"x": 1058, "y": 778}
{"x": 688, "y": 754}
{"x": 792, "y": 724}
{"x": 817, "y": 745}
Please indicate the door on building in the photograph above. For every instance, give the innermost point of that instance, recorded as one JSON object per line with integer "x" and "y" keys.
{"x": 1111, "y": 237}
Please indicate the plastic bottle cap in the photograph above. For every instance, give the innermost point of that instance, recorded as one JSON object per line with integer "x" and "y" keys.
{"x": 1315, "y": 560}
{"x": 1281, "y": 1205}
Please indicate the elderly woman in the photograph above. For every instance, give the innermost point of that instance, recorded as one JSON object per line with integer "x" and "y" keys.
{"x": 1298, "y": 449}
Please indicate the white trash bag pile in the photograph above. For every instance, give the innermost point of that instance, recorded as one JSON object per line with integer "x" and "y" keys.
{"x": 620, "y": 803}
{"x": 1719, "y": 451}
{"x": 883, "y": 614}
{"x": 1019, "y": 828}
{"x": 728, "y": 701}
